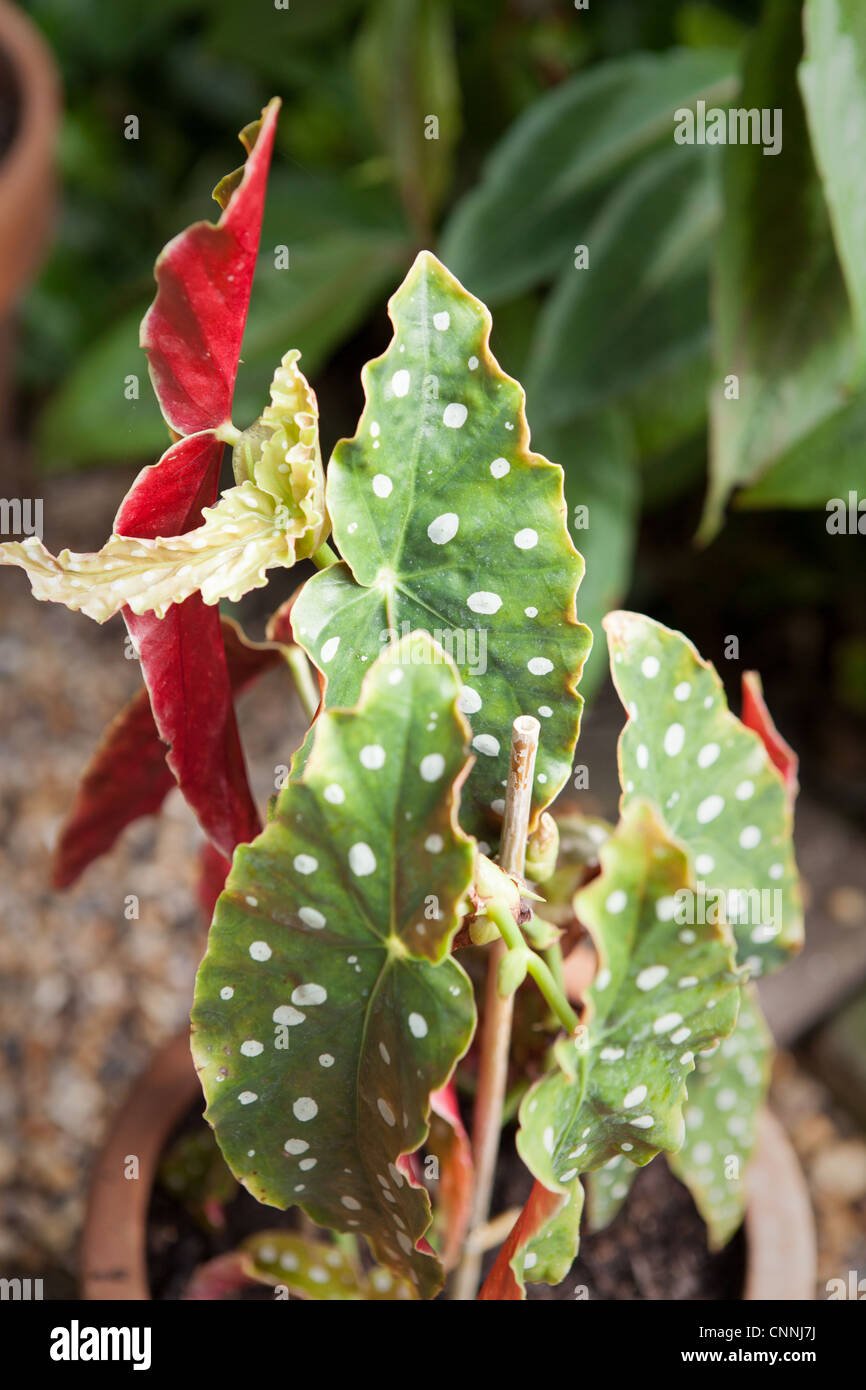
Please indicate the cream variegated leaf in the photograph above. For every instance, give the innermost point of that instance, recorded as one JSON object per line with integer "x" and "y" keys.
{"x": 280, "y": 453}
{"x": 243, "y": 536}
{"x": 275, "y": 516}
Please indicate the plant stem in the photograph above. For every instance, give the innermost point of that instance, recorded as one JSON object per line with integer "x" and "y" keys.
{"x": 553, "y": 956}
{"x": 228, "y": 433}
{"x": 305, "y": 681}
{"x": 496, "y": 1030}
{"x": 538, "y": 968}
{"x": 543, "y": 977}
{"x": 324, "y": 557}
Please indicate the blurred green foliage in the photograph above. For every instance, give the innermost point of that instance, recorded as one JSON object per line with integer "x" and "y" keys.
{"x": 553, "y": 129}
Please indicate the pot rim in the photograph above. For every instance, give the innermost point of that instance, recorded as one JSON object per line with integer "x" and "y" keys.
{"x": 780, "y": 1228}
{"x": 26, "y": 168}
{"x": 113, "y": 1244}
{"x": 780, "y": 1224}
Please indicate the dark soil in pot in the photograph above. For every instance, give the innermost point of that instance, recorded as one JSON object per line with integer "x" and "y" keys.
{"x": 656, "y": 1248}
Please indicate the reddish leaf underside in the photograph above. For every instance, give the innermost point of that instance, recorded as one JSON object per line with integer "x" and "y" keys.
{"x": 192, "y": 332}
{"x": 128, "y": 775}
{"x": 757, "y": 717}
{"x": 450, "y": 1142}
{"x": 221, "y": 1277}
{"x": 501, "y": 1284}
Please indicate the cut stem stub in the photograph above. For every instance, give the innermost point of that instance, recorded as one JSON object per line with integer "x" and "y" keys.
{"x": 496, "y": 1030}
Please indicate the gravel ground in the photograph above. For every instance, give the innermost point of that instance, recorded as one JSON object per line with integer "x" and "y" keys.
{"x": 85, "y": 994}
{"x": 833, "y": 1153}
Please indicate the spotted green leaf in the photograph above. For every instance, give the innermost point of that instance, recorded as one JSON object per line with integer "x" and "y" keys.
{"x": 659, "y": 998}
{"x": 725, "y": 1097}
{"x": 316, "y": 1269}
{"x": 327, "y": 1008}
{"x": 541, "y": 1246}
{"x": 714, "y": 784}
{"x": 447, "y": 522}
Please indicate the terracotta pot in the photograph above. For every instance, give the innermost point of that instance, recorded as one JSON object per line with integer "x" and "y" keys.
{"x": 27, "y": 168}
{"x": 780, "y": 1226}
{"x": 780, "y": 1230}
{"x": 114, "y": 1245}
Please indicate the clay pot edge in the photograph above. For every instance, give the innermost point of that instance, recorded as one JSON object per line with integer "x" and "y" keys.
{"x": 780, "y": 1228}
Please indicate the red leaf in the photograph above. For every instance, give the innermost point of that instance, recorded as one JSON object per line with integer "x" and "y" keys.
{"x": 128, "y": 776}
{"x": 450, "y": 1142}
{"x": 221, "y": 1277}
{"x": 166, "y": 499}
{"x": 757, "y": 717}
{"x": 192, "y": 332}
{"x": 501, "y": 1284}
{"x": 185, "y": 668}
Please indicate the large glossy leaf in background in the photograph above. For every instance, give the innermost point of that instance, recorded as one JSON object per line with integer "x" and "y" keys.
{"x": 833, "y": 83}
{"x": 712, "y": 781}
{"x": 89, "y": 419}
{"x": 541, "y": 186}
{"x": 448, "y": 523}
{"x": 827, "y": 462}
{"x": 348, "y": 246}
{"x": 638, "y": 315}
{"x": 406, "y": 73}
{"x": 327, "y": 1008}
{"x": 781, "y": 320}
{"x": 598, "y": 456}
{"x": 658, "y": 999}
